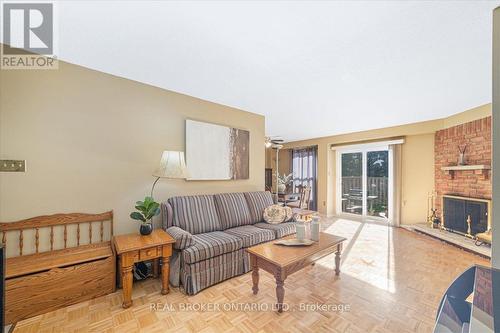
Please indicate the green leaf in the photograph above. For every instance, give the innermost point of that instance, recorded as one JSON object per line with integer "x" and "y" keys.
{"x": 139, "y": 203}
{"x": 153, "y": 206}
{"x": 157, "y": 212}
{"x": 142, "y": 209}
{"x": 148, "y": 201}
{"x": 151, "y": 214}
{"x": 137, "y": 216}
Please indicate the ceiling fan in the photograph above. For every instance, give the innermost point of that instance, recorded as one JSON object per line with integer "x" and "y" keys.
{"x": 274, "y": 142}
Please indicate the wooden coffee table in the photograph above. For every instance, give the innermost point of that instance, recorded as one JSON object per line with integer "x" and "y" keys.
{"x": 282, "y": 261}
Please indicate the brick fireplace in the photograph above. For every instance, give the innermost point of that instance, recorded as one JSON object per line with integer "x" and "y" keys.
{"x": 474, "y": 181}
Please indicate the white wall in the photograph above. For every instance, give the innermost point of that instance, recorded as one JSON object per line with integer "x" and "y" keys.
{"x": 92, "y": 140}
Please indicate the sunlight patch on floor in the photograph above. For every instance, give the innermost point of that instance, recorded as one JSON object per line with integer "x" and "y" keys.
{"x": 343, "y": 227}
{"x": 368, "y": 253}
{"x": 396, "y": 288}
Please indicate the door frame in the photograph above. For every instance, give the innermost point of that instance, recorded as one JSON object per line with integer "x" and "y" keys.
{"x": 364, "y": 149}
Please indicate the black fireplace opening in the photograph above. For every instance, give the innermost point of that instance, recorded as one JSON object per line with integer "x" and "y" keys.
{"x": 457, "y": 211}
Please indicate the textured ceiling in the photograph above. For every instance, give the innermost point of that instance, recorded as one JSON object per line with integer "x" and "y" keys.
{"x": 312, "y": 68}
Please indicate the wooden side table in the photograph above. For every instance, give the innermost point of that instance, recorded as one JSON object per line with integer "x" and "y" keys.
{"x": 132, "y": 248}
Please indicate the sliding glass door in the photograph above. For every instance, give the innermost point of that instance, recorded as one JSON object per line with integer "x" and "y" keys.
{"x": 352, "y": 183}
{"x": 377, "y": 183}
{"x": 363, "y": 182}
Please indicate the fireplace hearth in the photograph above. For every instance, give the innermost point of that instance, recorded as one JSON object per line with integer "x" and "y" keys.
{"x": 466, "y": 216}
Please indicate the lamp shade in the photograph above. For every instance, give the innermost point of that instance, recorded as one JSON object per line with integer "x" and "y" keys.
{"x": 172, "y": 165}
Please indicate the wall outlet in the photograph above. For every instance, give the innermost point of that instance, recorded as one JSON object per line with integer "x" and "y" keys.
{"x": 12, "y": 165}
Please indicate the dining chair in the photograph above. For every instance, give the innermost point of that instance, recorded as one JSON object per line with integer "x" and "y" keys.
{"x": 305, "y": 198}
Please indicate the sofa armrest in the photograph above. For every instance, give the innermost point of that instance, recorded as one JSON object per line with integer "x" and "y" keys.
{"x": 167, "y": 215}
{"x": 183, "y": 239}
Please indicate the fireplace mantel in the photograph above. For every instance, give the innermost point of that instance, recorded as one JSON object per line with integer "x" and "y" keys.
{"x": 480, "y": 169}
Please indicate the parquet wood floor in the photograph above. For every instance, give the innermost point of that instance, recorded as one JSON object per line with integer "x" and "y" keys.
{"x": 391, "y": 281}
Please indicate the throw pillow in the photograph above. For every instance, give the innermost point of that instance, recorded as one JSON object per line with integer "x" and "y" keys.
{"x": 276, "y": 214}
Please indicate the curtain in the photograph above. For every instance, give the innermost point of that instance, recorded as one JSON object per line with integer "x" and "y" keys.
{"x": 304, "y": 169}
{"x": 395, "y": 212}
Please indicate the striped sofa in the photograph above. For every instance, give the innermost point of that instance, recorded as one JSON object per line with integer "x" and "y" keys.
{"x": 211, "y": 234}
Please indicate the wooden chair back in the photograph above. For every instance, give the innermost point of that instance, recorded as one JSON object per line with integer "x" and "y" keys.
{"x": 51, "y": 221}
{"x": 305, "y": 197}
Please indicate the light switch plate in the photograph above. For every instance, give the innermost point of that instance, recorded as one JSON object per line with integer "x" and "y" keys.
{"x": 12, "y": 165}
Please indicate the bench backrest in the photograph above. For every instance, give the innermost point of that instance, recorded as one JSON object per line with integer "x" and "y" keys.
{"x": 60, "y": 231}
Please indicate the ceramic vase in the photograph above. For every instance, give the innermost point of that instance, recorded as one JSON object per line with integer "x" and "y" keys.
{"x": 146, "y": 229}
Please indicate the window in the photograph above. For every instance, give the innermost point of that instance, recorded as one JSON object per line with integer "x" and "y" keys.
{"x": 304, "y": 164}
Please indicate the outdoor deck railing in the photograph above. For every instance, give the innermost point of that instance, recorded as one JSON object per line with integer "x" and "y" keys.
{"x": 377, "y": 187}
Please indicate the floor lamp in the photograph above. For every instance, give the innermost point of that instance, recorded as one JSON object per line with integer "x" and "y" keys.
{"x": 172, "y": 166}
{"x": 277, "y": 147}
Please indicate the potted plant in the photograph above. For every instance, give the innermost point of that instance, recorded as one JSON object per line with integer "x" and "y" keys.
{"x": 146, "y": 210}
{"x": 284, "y": 181}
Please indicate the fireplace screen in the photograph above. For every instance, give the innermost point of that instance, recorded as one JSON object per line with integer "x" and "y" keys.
{"x": 466, "y": 216}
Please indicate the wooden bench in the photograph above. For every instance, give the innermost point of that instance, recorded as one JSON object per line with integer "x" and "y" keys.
{"x": 43, "y": 281}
